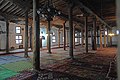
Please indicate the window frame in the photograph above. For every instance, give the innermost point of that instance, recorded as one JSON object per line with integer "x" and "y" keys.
{"x": 17, "y": 29}
{"x": 19, "y": 39}
{"x": 54, "y": 40}
{"x": 76, "y": 40}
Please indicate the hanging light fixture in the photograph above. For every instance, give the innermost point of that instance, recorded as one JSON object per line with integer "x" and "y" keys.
{"x": 111, "y": 34}
{"x": 48, "y": 11}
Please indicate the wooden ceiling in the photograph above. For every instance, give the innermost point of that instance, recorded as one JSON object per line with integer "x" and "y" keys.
{"x": 104, "y": 9}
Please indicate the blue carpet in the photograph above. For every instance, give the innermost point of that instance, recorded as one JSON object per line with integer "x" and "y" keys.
{"x": 10, "y": 58}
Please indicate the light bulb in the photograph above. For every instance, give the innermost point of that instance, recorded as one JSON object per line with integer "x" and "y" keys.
{"x": 43, "y": 15}
{"x": 38, "y": 12}
{"x": 59, "y": 12}
{"x": 48, "y": 9}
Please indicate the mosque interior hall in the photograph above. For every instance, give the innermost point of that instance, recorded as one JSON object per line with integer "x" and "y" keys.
{"x": 59, "y": 40}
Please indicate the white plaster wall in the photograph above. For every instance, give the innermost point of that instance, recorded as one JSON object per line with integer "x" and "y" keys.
{"x": 3, "y": 36}
{"x": 55, "y": 30}
{"x": 23, "y": 35}
{"x": 114, "y": 38}
{"x": 44, "y": 41}
{"x": 12, "y": 35}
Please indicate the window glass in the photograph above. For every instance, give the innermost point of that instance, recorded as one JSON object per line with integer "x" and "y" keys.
{"x": 16, "y": 37}
{"x": 19, "y": 39}
{"x": 18, "y": 29}
{"x": 63, "y": 39}
{"x": 75, "y": 39}
{"x": 105, "y": 32}
{"x": 75, "y": 34}
{"x": 117, "y": 32}
{"x": 53, "y": 39}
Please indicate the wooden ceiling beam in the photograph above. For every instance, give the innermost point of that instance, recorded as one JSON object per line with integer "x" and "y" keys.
{"x": 3, "y": 5}
{"x": 1, "y": 1}
{"x": 17, "y": 11}
{"x": 10, "y": 16}
{"x": 14, "y": 9}
{"x": 25, "y": 5}
{"x": 74, "y": 19}
{"x": 19, "y": 3}
{"x": 8, "y": 6}
{"x": 11, "y": 8}
{"x": 91, "y": 12}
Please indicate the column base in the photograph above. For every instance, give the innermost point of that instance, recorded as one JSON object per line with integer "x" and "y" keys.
{"x": 26, "y": 56}
{"x": 49, "y": 52}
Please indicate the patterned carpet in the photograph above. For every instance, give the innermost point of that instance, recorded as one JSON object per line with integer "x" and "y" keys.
{"x": 93, "y": 66}
{"x": 11, "y": 65}
{"x": 5, "y": 73}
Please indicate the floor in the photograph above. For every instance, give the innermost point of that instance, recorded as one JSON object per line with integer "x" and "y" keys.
{"x": 95, "y": 65}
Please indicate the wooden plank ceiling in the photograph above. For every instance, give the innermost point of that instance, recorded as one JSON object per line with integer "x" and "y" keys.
{"x": 14, "y": 10}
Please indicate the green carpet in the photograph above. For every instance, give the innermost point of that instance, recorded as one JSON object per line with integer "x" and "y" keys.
{"x": 18, "y": 66}
{"x": 5, "y": 73}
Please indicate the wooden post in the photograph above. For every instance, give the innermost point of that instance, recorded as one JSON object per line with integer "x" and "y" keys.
{"x": 30, "y": 37}
{"x": 74, "y": 37}
{"x": 94, "y": 36}
{"x": 104, "y": 38}
{"x": 107, "y": 37}
{"x": 64, "y": 31}
{"x": 118, "y": 50}
{"x": 82, "y": 37}
{"x": 79, "y": 38}
{"x": 92, "y": 40}
{"x": 101, "y": 46}
{"x": 86, "y": 33}
{"x": 59, "y": 38}
{"x": 110, "y": 38}
{"x": 66, "y": 37}
{"x": 70, "y": 11}
{"x": 98, "y": 36}
{"x": 7, "y": 36}
{"x": 26, "y": 34}
{"x": 49, "y": 38}
{"x": 36, "y": 48}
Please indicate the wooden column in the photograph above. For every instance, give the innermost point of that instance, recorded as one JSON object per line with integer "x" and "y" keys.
{"x": 86, "y": 34}
{"x": 7, "y": 36}
{"x": 70, "y": 12}
{"x": 26, "y": 34}
{"x": 118, "y": 50}
{"x": 49, "y": 38}
{"x": 94, "y": 35}
{"x": 107, "y": 37}
{"x": 98, "y": 36}
{"x": 82, "y": 37}
{"x": 74, "y": 37}
{"x": 104, "y": 38}
{"x": 36, "y": 28}
{"x": 101, "y": 46}
{"x": 64, "y": 32}
{"x": 110, "y": 38}
{"x": 66, "y": 37}
{"x": 30, "y": 37}
{"x": 79, "y": 38}
{"x": 92, "y": 40}
{"x": 59, "y": 38}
